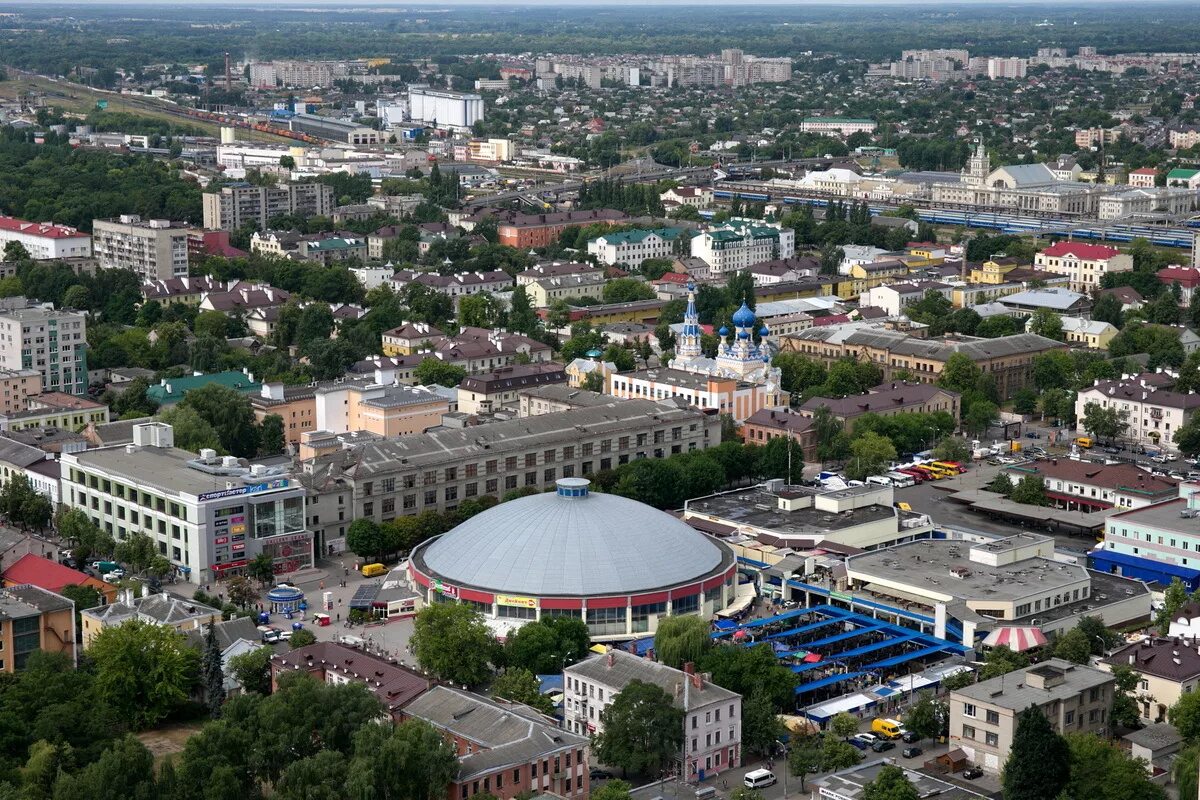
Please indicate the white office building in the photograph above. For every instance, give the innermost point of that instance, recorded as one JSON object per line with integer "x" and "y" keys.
{"x": 209, "y": 516}
{"x": 740, "y": 243}
{"x": 52, "y": 342}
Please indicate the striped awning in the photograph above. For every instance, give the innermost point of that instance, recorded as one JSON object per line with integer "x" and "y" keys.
{"x": 1018, "y": 639}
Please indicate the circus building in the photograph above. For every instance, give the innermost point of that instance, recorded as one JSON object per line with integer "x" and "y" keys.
{"x": 615, "y": 563}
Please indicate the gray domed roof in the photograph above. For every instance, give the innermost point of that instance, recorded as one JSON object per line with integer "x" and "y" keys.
{"x": 572, "y": 543}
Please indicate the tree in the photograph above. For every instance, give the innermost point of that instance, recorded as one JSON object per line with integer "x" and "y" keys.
{"x": 1073, "y": 646}
{"x": 124, "y": 771}
{"x": 318, "y": 777}
{"x": 144, "y": 671}
{"x": 980, "y": 416}
{"x": 959, "y": 373}
{"x": 891, "y": 784}
{"x": 548, "y": 645}
{"x": 1039, "y": 764}
{"x": 1001, "y": 484}
{"x": 837, "y": 754}
{"x": 1175, "y": 597}
{"x": 870, "y": 454}
{"x": 798, "y": 373}
{"x": 1188, "y": 437}
{"x": 805, "y": 758}
{"x": 1124, "y": 707}
{"x": 271, "y": 436}
{"x": 643, "y": 730}
{"x": 958, "y": 680}
{"x": 521, "y": 317}
{"x": 230, "y": 415}
{"x": 137, "y": 551}
{"x": 412, "y": 761}
{"x": 1100, "y": 637}
{"x": 287, "y": 162}
{"x": 302, "y": 638}
{"x": 364, "y": 538}
{"x": 520, "y": 686}
{"x": 1102, "y": 771}
{"x": 253, "y": 670}
{"x": 1045, "y": 322}
{"x": 952, "y": 448}
{"x": 452, "y": 641}
{"x": 1185, "y": 716}
{"x": 15, "y": 251}
{"x": 843, "y": 725}
{"x": 1000, "y": 661}
{"x": 681, "y": 640}
{"x": 433, "y": 370}
{"x": 84, "y": 597}
{"x": 615, "y": 789}
{"x": 212, "y": 673}
{"x": 1031, "y": 491}
{"x": 1104, "y": 423}
{"x": 928, "y": 718}
{"x": 262, "y": 568}
{"x": 1025, "y": 401}
{"x": 761, "y": 726}
{"x": 750, "y": 670}
{"x": 1108, "y": 309}
{"x": 625, "y": 290}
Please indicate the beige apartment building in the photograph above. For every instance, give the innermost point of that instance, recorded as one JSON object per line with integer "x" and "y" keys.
{"x": 16, "y": 385}
{"x": 983, "y": 717}
{"x": 437, "y": 471}
{"x": 1085, "y": 265}
{"x": 156, "y": 249}
{"x": 52, "y": 343}
{"x": 1167, "y": 669}
{"x": 234, "y": 206}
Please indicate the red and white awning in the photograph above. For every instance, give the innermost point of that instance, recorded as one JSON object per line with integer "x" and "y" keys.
{"x": 1017, "y": 639}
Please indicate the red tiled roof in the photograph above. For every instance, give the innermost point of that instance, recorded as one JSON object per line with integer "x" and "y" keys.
{"x": 46, "y": 229}
{"x": 1088, "y": 252}
{"x": 43, "y": 572}
{"x": 1184, "y": 276}
{"x": 1145, "y": 171}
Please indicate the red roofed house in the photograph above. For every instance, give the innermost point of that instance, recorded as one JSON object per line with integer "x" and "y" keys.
{"x": 1143, "y": 178}
{"x": 1188, "y": 279}
{"x": 45, "y": 240}
{"x": 1083, "y": 264}
{"x": 52, "y": 576}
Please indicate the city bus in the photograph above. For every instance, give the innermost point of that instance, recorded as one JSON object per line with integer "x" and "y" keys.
{"x": 950, "y": 466}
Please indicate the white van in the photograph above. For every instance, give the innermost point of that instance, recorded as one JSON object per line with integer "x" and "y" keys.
{"x": 758, "y": 778}
{"x": 880, "y": 480}
{"x": 900, "y": 480}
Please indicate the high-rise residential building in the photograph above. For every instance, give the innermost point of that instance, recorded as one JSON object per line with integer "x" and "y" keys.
{"x": 54, "y": 343}
{"x": 156, "y": 249}
{"x": 44, "y": 240}
{"x": 233, "y": 206}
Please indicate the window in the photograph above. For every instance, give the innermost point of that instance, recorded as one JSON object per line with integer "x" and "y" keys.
{"x": 968, "y": 710}
{"x": 993, "y": 717}
{"x": 968, "y": 731}
{"x": 991, "y": 739}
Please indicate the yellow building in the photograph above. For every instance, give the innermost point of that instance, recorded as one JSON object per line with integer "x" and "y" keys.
{"x": 160, "y": 609}
{"x": 1092, "y": 334}
{"x": 994, "y": 270}
{"x": 864, "y": 277}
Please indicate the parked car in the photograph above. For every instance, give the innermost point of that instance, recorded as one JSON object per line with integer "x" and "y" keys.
{"x": 911, "y": 752}
{"x": 863, "y": 740}
{"x": 1033, "y": 435}
{"x": 883, "y": 745}
{"x": 598, "y": 774}
{"x": 909, "y": 737}
{"x": 1111, "y": 450}
{"x": 971, "y": 773}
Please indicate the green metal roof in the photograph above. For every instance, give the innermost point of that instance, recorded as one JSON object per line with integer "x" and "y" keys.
{"x": 175, "y": 388}
{"x": 1182, "y": 174}
{"x": 633, "y": 237}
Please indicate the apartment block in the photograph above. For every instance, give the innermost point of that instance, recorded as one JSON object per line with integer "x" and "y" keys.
{"x": 634, "y": 247}
{"x": 156, "y": 249}
{"x": 53, "y": 343}
{"x": 32, "y": 620}
{"x": 712, "y": 715}
{"x": 16, "y": 385}
{"x": 234, "y": 206}
{"x": 440, "y": 469}
{"x": 1152, "y": 410}
{"x": 983, "y": 717}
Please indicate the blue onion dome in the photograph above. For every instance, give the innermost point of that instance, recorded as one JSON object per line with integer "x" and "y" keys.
{"x": 594, "y": 353}
{"x": 743, "y": 317}
{"x": 765, "y": 331}
{"x": 766, "y": 358}
{"x": 724, "y": 331}
{"x": 743, "y": 335}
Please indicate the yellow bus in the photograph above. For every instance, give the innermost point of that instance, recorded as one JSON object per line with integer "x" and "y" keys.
{"x": 952, "y": 467}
